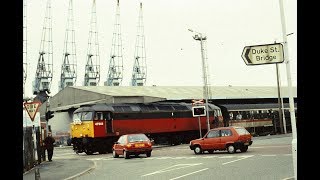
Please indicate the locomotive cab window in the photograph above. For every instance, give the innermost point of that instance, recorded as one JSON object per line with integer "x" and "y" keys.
{"x": 98, "y": 116}
{"x": 86, "y": 116}
{"x": 76, "y": 118}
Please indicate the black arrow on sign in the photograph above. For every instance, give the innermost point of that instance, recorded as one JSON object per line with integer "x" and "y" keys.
{"x": 246, "y": 55}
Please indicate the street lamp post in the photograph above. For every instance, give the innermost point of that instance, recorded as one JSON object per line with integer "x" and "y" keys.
{"x": 291, "y": 101}
{"x": 199, "y": 37}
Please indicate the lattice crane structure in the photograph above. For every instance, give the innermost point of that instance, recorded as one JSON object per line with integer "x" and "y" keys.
{"x": 92, "y": 69}
{"x": 69, "y": 62}
{"x": 115, "y": 72}
{"x": 43, "y": 77}
{"x": 139, "y": 73}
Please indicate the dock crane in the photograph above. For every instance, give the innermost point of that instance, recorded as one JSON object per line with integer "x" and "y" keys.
{"x": 69, "y": 62}
{"x": 92, "y": 69}
{"x": 115, "y": 72}
{"x": 43, "y": 77}
{"x": 139, "y": 72}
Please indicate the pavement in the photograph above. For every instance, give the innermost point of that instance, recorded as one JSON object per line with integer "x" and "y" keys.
{"x": 63, "y": 169}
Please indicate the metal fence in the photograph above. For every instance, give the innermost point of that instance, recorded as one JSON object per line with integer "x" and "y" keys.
{"x": 33, "y": 152}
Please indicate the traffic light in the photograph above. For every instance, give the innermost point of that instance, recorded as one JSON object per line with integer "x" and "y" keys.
{"x": 198, "y": 111}
{"x": 49, "y": 115}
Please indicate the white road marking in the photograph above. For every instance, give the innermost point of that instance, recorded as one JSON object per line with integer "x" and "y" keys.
{"x": 164, "y": 157}
{"x": 94, "y": 159}
{"x": 223, "y": 157}
{"x": 87, "y": 170}
{"x": 171, "y": 168}
{"x": 208, "y": 157}
{"x": 63, "y": 154}
{"x": 289, "y": 178}
{"x": 181, "y": 157}
{"x": 237, "y": 160}
{"x": 269, "y": 146}
{"x": 189, "y": 173}
{"x": 63, "y": 157}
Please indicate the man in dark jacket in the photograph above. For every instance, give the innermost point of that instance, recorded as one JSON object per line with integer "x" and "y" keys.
{"x": 48, "y": 141}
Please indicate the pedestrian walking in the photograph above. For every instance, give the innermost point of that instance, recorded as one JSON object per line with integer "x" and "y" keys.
{"x": 48, "y": 141}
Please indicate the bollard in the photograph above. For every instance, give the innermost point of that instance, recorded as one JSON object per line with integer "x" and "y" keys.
{"x": 37, "y": 174}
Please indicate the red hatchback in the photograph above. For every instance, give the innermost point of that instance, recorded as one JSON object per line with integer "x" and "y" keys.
{"x": 223, "y": 138}
{"x": 132, "y": 144}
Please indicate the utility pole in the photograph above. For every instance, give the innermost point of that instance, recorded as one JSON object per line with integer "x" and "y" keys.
{"x": 280, "y": 102}
{"x": 200, "y": 37}
{"x": 291, "y": 101}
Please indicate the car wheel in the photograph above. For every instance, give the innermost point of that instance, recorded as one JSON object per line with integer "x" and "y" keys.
{"x": 114, "y": 154}
{"x": 231, "y": 149}
{"x": 244, "y": 149}
{"x": 148, "y": 154}
{"x": 197, "y": 150}
{"x": 126, "y": 155}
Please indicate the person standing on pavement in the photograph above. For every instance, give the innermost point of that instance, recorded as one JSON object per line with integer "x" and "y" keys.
{"x": 48, "y": 141}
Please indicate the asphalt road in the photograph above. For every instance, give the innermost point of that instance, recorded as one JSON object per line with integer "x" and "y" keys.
{"x": 269, "y": 157}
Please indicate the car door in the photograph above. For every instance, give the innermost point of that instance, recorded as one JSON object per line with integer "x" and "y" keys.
{"x": 212, "y": 140}
{"x": 119, "y": 145}
{"x": 226, "y": 136}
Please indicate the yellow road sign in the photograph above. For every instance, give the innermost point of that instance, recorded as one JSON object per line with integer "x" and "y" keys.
{"x": 32, "y": 108}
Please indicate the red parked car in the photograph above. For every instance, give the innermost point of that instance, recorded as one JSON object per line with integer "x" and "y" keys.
{"x": 132, "y": 144}
{"x": 223, "y": 138}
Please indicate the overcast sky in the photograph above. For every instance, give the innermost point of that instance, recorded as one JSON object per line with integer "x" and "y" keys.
{"x": 173, "y": 57}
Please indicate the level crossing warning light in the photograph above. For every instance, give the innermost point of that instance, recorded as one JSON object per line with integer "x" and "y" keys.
{"x": 198, "y": 111}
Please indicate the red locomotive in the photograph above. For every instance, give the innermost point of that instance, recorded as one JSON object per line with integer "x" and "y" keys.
{"x": 95, "y": 128}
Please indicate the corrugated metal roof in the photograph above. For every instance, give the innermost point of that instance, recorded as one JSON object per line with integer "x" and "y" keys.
{"x": 190, "y": 92}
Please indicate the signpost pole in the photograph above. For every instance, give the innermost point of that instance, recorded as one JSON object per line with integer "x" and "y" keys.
{"x": 199, "y": 126}
{"x": 32, "y": 109}
{"x": 291, "y": 101}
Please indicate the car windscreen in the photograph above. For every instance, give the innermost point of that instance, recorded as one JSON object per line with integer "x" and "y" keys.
{"x": 242, "y": 131}
{"x": 137, "y": 138}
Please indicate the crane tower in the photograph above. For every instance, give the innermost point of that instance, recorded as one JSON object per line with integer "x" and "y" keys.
{"x": 25, "y": 57}
{"x": 115, "y": 72}
{"x": 43, "y": 77}
{"x": 139, "y": 73}
{"x": 92, "y": 69}
{"x": 69, "y": 62}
